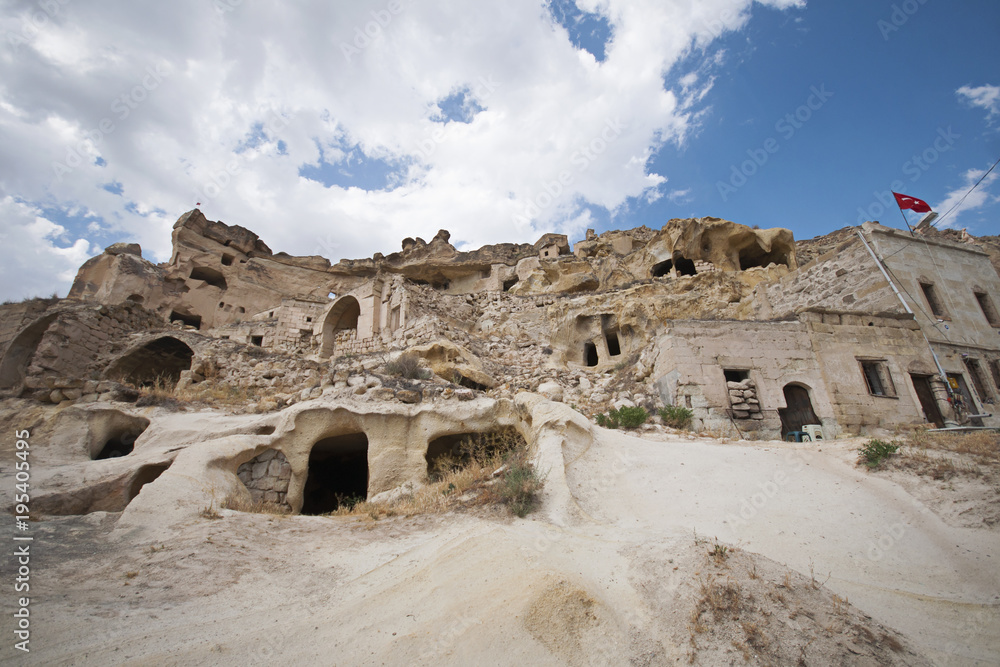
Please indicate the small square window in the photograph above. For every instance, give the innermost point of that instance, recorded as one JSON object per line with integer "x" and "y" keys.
{"x": 257, "y": 340}
{"x": 734, "y": 375}
{"x": 877, "y": 377}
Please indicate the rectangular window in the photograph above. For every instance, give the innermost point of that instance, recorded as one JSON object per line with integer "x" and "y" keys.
{"x": 995, "y": 372}
{"x": 989, "y": 312}
{"x": 979, "y": 380}
{"x": 930, "y": 293}
{"x": 257, "y": 340}
{"x": 735, "y": 375}
{"x": 877, "y": 377}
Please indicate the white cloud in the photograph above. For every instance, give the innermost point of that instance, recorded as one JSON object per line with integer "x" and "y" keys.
{"x": 973, "y": 200}
{"x": 40, "y": 257}
{"x": 985, "y": 97}
{"x": 222, "y": 103}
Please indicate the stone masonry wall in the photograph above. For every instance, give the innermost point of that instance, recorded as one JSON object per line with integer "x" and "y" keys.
{"x": 266, "y": 476}
{"x": 78, "y": 337}
{"x": 845, "y": 278}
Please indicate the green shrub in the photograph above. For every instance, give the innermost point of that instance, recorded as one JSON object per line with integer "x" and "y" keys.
{"x": 676, "y": 416}
{"x": 407, "y": 365}
{"x": 874, "y": 452}
{"x": 624, "y": 417}
{"x": 521, "y": 484}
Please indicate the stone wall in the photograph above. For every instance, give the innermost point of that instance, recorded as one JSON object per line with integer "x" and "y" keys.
{"x": 845, "y": 278}
{"x": 69, "y": 343}
{"x": 266, "y": 476}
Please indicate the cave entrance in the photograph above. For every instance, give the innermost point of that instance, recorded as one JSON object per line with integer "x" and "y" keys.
{"x": 160, "y": 360}
{"x": 450, "y": 452}
{"x": 755, "y": 256}
{"x": 662, "y": 269}
{"x": 210, "y": 276}
{"x": 118, "y": 446}
{"x": 507, "y": 284}
{"x": 590, "y": 357}
{"x": 338, "y": 474}
{"x": 144, "y": 476}
{"x": 186, "y": 318}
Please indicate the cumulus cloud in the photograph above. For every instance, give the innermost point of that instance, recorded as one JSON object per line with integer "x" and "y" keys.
{"x": 963, "y": 200}
{"x": 340, "y": 128}
{"x": 985, "y": 97}
{"x": 40, "y": 256}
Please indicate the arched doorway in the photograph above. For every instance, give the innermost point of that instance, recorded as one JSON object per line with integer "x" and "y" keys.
{"x": 16, "y": 360}
{"x": 160, "y": 359}
{"x": 343, "y": 317}
{"x": 798, "y": 410}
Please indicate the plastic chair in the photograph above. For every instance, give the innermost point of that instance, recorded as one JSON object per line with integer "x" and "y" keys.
{"x": 814, "y": 431}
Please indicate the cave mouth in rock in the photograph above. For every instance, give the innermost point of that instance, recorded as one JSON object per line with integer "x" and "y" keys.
{"x": 145, "y": 475}
{"x": 161, "y": 360}
{"x": 338, "y": 474}
{"x": 449, "y": 452}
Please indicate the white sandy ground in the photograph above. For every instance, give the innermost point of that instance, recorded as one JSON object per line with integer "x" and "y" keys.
{"x": 605, "y": 572}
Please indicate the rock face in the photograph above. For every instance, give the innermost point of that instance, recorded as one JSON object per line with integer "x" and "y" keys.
{"x": 639, "y": 316}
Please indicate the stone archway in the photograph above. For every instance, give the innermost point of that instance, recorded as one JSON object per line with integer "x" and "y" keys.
{"x": 17, "y": 358}
{"x": 343, "y": 316}
{"x": 162, "y": 358}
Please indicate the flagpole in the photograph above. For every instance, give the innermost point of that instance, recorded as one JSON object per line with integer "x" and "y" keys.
{"x": 905, "y": 220}
{"x": 896, "y": 195}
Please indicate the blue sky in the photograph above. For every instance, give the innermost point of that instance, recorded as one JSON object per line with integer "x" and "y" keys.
{"x": 339, "y": 128}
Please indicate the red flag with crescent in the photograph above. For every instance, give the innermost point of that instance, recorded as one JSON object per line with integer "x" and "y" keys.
{"x": 906, "y": 201}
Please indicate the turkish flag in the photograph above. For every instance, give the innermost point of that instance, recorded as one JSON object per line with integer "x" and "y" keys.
{"x": 906, "y": 201}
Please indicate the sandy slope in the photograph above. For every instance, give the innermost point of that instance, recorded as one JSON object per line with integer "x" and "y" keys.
{"x": 610, "y": 571}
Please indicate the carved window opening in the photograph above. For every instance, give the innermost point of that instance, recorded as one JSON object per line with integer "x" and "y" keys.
{"x": 614, "y": 347}
{"x": 210, "y": 276}
{"x": 934, "y": 301}
{"x": 986, "y": 305}
{"x": 186, "y": 319}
